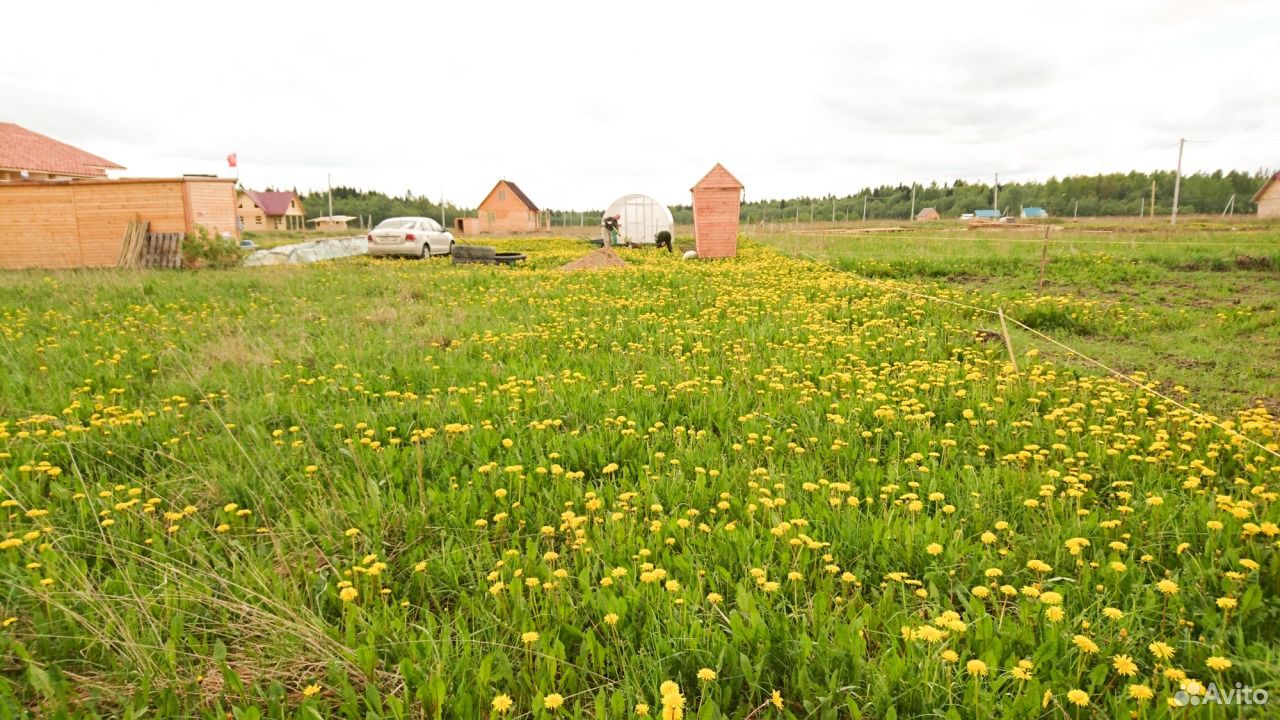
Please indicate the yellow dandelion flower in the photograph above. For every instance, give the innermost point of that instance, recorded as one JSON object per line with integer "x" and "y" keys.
{"x": 1124, "y": 665}
{"x": 1218, "y": 663}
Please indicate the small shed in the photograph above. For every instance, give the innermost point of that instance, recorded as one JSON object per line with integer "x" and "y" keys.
{"x": 642, "y": 218}
{"x": 332, "y": 222}
{"x": 1034, "y": 212}
{"x": 81, "y": 223}
{"x": 717, "y": 203}
{"x": 928, "y": 214}
{"x": 1268, "y": 198}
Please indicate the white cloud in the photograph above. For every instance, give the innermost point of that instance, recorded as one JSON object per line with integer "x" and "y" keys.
{"x": 581, "y": 102}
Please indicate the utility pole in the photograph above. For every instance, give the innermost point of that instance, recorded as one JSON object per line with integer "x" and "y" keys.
{"x": 1142, "y": 207}
{"x": 1153, "y": 197}
{"x": 329, "y": 180}
{"x": 833, "y": 208}
{"x": 1075, "y": 214}
{"x": 913, "y": 200}
{"x": 995, "y": 203}
{"x": 1177, "y": 183}
{"x": 864, "y": 208}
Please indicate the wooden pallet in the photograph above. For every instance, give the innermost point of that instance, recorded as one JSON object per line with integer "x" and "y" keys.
{"x": 163, "y": 250}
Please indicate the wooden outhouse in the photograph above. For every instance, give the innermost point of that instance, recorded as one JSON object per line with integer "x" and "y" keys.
{"x": 717, "y": 201}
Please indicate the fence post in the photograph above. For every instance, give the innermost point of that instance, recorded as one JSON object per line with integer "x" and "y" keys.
{"x": 1008, "y": 344}
{"x": 1044, "y": 259}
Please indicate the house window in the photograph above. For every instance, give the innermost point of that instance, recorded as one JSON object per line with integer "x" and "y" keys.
{"x": 257, "y": 220}
{"x": 502, "y": 195}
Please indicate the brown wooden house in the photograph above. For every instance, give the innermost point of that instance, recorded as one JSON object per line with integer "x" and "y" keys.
{"x": 270, "y": 211}
{"x": 1268, "y": 198}
{"x": 506, "y": 209}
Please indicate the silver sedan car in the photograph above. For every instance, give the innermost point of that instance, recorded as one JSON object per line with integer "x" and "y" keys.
{"x": 413, "y": 236}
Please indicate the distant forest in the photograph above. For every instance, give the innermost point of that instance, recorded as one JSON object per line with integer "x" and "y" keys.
{"x": 1086, "y": 195}
{"x": 365, "y": 203}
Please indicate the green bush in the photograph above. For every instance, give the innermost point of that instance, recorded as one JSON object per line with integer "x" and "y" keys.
{"x": 202, "y": 250}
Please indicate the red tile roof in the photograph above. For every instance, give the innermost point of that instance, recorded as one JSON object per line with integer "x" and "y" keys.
{"x": 22, "y": 149}
{"x": 272, "y": 203}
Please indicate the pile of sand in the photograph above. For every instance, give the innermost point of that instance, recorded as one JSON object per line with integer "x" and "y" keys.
{"x": 596, "y": 259}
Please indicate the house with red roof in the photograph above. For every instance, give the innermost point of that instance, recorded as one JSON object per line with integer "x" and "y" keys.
{"x": 28, "y": 155}
{"x": 270, "y": 210}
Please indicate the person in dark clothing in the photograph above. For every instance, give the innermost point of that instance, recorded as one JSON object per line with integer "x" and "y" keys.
{"x": 663, "y": 239}
{"x": 611, "y": 230}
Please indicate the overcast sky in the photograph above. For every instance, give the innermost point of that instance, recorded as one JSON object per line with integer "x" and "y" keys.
{"x": 583, "y": 102}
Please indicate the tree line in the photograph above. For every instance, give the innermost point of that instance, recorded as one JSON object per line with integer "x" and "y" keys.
{"x": 367, "y": 203}
{"x": 1084, "y": 195}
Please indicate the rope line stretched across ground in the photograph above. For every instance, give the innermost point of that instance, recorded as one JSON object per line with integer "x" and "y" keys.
{"x": 1145, "y": 387}
{"x": 1029, "y": 240}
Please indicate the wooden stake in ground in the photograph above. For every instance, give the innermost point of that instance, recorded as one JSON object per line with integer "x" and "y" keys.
{"x": 1008, "y": 344}
{"x": 1044, "y": 260}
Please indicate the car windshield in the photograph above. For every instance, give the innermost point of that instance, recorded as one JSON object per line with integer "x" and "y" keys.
{"x": 395, "y": 224}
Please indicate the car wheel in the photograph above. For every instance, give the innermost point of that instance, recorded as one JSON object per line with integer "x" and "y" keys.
{"x": 426, "y": 251}
{"x": 451, "y": 244}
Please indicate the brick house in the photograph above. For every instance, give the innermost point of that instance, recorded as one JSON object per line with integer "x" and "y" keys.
{"x": 506, "y": 209}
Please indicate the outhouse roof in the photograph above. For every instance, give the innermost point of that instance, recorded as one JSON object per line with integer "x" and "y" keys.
{"x": 719, "y": 178}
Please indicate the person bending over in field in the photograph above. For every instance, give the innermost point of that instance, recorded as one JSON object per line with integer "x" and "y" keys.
{"x": 663, "y": 239}
{"x": 611, "y": 230}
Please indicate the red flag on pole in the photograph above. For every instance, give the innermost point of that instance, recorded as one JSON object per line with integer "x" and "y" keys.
{"x": 231, "y": 160}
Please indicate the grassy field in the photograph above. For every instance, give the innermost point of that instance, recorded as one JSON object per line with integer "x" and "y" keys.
{"x": 1197, "y": 309}
{"x": 758, "y": 488}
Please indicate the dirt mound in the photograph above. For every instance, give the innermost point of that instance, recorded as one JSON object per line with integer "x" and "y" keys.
{"x": 596, "y": 259}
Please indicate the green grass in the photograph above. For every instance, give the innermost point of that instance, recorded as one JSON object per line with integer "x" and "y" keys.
{"x": 1203, "y": 302}
{"x": 766, "y": 468}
